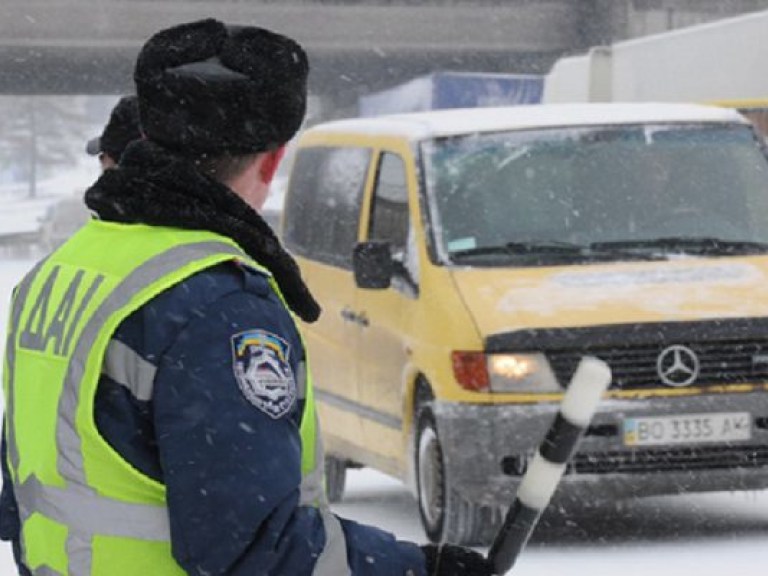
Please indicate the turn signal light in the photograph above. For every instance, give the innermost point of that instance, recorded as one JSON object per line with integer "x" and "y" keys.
{"x": 470, "y": 370}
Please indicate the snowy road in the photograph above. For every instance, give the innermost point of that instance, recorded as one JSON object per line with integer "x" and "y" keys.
{"x": 709, "y": 535}
{"x": 701, "y": 535}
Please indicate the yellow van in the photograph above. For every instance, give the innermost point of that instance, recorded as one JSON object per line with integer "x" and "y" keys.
{"x": 466, "y": 259}
{"x": 755, "y": 110}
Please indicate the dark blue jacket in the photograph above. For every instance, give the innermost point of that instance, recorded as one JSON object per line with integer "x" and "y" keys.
{"x": 232, "y": 471}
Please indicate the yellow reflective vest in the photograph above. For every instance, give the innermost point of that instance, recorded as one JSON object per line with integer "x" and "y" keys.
{"x": 84, "y": 510}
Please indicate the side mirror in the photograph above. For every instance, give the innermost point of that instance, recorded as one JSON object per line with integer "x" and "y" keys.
{"x": 372, "y": 264}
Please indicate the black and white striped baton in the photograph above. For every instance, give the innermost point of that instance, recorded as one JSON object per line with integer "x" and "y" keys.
{"x": 580, "y": 401}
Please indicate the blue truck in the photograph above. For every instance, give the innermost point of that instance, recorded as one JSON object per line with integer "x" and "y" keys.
{"x": 454, "y": 90}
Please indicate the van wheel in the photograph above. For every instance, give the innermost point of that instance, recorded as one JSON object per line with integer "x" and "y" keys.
{"x": 445, "y": 515}
{"x": 335, "y": 478}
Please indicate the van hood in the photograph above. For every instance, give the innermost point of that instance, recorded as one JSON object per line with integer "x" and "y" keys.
{"x": 506, "y": 300}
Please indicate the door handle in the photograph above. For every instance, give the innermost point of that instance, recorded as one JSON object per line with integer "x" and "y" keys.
{"x": 348, "y": 315}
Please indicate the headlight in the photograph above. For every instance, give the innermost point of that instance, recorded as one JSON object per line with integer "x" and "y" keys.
{"x": 521, "y": 373}
{"x": 481, "y": 372}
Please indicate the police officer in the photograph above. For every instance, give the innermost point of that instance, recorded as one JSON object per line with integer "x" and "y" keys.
{"x": 121, "y": 129}
{"x": 159, "y": 410}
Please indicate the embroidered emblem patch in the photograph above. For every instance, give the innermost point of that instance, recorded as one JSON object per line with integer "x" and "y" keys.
{"x": 262, "y": 371}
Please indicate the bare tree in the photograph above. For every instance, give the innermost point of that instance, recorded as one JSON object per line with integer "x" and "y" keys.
{"x": 40, "y": 134}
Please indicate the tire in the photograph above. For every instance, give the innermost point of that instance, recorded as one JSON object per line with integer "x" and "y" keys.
{"x": 445, "y": 515}
{"x": 335, "y": 478}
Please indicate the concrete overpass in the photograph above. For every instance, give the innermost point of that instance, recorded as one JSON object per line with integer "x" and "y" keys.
{"x": 89, "y": 46}
{"x": 355, "y": 46}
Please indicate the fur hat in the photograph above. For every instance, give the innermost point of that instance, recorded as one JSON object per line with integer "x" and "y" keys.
{"x": 121, "y": 129}
{"x": 206, "y": 87}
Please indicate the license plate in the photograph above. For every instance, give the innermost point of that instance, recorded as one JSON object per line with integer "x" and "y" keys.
{"x": 687, "y": 429}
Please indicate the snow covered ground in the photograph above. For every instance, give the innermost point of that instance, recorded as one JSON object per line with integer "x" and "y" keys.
{"x": 22, "y": 215}
{"x": 697, "y": 535}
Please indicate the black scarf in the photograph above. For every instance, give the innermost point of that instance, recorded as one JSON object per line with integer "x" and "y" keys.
{"x": 157, "y": 187}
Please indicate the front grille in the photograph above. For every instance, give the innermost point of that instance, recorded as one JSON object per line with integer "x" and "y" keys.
{"x": 669, "y": 460}
{"x": 634, "y": 367}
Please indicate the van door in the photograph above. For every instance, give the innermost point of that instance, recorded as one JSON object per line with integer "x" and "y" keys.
{"x": 321, "y": 226}
{"x": 382, "y": 345}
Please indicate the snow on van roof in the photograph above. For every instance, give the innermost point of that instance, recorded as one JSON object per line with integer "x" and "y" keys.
{"x": 436, "y": 123}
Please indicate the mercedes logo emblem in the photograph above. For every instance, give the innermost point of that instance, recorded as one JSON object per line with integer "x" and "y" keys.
{"x": 677, "y": 366}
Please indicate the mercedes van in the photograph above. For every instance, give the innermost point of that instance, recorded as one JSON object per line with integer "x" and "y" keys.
{"x": 467, "y": 259}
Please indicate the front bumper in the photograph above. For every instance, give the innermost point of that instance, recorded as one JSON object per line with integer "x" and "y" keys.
{"x": 486, "y": 449}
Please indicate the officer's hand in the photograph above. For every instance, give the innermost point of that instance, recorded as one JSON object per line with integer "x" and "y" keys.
{"x": 449, "y": 560}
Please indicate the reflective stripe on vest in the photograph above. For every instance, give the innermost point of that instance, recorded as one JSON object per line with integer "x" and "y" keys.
{"x": 125, "y": 367}
{"x": 76, "y": 505}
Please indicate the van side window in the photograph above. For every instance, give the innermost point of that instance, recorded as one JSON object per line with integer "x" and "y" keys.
{"x": 389, "y": 210}
{"x": 323, "y": 202}
{"x": 390, "y": 219}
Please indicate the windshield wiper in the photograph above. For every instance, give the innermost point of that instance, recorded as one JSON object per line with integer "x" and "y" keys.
{"x": 687, "y": 245}
{"x": 532, "y": 247}
{"x": 552, "y": 250}
{"x": 649, "y": 249}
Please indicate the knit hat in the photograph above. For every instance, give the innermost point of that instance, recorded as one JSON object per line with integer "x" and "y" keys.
{"x": 121, "y": 129}
{"x": 206, "y": 87}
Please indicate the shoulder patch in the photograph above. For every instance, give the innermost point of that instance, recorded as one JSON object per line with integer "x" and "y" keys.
{"x": 263, "y": 372}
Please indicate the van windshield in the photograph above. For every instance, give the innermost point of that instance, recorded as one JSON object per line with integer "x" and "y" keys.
{"x": 570, "y": 195}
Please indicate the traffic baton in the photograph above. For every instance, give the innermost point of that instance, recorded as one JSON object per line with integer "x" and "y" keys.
{"x": 591, "y": 379}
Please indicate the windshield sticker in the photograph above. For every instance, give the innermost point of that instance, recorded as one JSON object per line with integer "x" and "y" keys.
{"x": 462, "y": 244}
